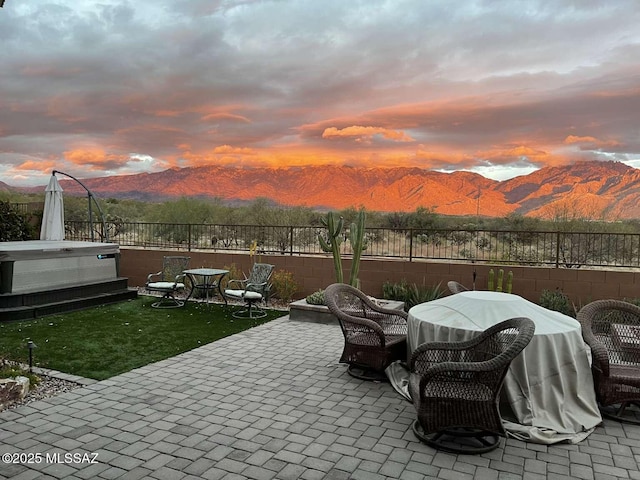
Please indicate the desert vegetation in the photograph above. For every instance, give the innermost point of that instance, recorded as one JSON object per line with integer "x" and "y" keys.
{"x": 570, "y": 235}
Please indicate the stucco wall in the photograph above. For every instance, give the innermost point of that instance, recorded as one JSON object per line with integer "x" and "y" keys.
{"x": 314, "y": 272}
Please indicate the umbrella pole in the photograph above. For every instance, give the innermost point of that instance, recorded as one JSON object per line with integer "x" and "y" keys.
{"x": 90, "y": 196}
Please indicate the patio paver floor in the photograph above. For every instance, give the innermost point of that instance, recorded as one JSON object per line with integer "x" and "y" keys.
{"x": 269, "y": 403}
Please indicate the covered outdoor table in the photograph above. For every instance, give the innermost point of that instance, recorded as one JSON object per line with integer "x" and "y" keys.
{"x": 548, "y": 387}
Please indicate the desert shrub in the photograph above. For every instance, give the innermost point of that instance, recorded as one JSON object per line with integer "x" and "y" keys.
{"x": 316, "y": 298}
{"x": 13, "y": 225}
{"x": 557, "y": 300}
{"x": 10, "y": 369}
{"x": 284, "y": 285}
{"x": 234, "y": 274}
{"x": 422, "y": 293}
{"x": 411, "y": 295}
{"x": 633, "y": 301}
{"x": 398, "y": 291}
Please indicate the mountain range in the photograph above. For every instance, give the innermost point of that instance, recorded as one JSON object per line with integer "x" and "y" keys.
{"x": 593, "y": 189}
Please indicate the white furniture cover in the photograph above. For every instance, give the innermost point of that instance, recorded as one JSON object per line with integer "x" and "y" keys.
{"x": 548, "y": 386}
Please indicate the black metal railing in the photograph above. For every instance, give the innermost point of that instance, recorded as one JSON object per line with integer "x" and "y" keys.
{"x": 548, "y": 248}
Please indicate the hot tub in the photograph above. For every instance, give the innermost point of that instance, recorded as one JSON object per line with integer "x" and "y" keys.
{"x": 40, "y": 265}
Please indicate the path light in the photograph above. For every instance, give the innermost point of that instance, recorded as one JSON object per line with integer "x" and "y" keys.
{"x": 31, "y": 346}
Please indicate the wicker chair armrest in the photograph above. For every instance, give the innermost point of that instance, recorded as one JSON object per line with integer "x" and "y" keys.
{"x": 380, "y": 309}
{"x": 364, "y": 322}
{"x": 599, "y": 353}
{"x": 600, "y": 357}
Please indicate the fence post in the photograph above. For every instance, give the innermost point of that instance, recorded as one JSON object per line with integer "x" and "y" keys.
{"x": 558, "y": 249}
{"x": 291, "y": 240}
{"x": 411, "y": 244}
{"x": 189, "y": 237}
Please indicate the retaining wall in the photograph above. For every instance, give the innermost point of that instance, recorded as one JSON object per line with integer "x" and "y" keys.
{"x": 315, "y": 272}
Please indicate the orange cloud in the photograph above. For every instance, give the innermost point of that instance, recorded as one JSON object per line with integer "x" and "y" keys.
{"x": 225, "y": 116}
{"x": 97, "y": 158}
{"x": 168, "y": 113}
{"x": 439, "y": 157}
{"x": 366, "y": 133}
{"x": 589, "y": 142}
{"x": 221, "y": 155}
{"x": 510, "y": 154}
{"x": 228, "y": 149}
{"x": 37, "y": 165}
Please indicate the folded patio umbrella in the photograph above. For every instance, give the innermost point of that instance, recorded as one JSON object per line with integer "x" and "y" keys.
{"x": 53, "y": 215}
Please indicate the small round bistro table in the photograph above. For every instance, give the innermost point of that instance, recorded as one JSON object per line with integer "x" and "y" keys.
{"x": 205, "y": 279}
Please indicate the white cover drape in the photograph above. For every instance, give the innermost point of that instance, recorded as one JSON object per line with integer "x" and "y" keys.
{"x": 53, "y": 214}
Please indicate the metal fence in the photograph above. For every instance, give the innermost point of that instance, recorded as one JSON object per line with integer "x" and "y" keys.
{"x": 26, "y": 208}
{"x": 545, "y": 248}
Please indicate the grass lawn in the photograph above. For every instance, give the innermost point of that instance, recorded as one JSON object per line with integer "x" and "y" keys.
{"x": 104, "y": 341}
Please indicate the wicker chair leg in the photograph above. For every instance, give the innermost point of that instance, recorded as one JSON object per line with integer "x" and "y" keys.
{"x": 459, "y": 439}
{"x": 620, "y": 413}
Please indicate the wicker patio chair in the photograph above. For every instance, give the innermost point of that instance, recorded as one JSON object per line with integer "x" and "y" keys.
{"x": 455, "y": 387}
{"x": 251, "y": 290}
{"x": 455, "y": 287}
{"x": 169, "y": 281}
{"x": 374, "y": 336}
{"x": 612, "y": 329}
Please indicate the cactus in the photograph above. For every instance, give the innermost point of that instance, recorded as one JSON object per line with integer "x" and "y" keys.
{"x": 500, "y": 280}
{"x": 335, "y": 239}
{"x": 358, "y": 245}
{"x": 356, "y": 239}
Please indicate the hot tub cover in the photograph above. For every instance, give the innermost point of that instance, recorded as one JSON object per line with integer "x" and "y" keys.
{"x": 34, "y": 249}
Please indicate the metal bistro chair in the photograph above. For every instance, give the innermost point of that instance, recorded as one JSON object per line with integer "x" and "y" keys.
{"x": 455, "y": 387}
{"x": 374, "y": 336}
{"x": 252, "y": 290}
{"x": 169, "y": 281}
{"x": 612, "y": 329}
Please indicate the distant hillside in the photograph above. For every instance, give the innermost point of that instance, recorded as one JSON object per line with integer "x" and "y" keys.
{"x": 4, "y": 187}
{"x": 604, "y": 186}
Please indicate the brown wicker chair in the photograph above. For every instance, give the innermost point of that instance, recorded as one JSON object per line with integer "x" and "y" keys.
{"x": 455, "y": 387}
{"x": 455, "y": 287}
{"x": 374, "y": 336}
{"x": 612, "y": 329}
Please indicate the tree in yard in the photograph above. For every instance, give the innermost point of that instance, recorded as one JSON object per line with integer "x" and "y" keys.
{"x": 13, "y": 225}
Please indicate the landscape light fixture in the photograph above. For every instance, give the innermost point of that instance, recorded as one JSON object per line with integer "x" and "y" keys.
{"x": 30, "y": 346}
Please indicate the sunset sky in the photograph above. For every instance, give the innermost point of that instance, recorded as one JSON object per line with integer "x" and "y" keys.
{"x": 499, "y": 87}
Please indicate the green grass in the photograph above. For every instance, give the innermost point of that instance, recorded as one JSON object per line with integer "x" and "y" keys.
{"x": 104, "y": 341}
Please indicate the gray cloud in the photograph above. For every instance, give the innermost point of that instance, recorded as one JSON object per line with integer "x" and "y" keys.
{"x": 465, "y": 84}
